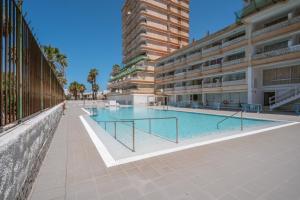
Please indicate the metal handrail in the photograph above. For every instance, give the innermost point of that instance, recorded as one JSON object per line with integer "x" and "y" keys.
{"x": 231, "y": 116}
{"x": 115, "y": 131}
{"x": 290, "y": 93}
{"x": 150, "y": 125}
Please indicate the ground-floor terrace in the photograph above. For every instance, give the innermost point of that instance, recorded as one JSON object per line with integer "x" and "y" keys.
{"x": 261, "y": 166}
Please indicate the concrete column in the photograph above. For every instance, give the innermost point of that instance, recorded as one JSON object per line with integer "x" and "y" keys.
{"x": 290, "y": 15}
{"x": 204, "y": 98}
{"x": 250, "y": 84}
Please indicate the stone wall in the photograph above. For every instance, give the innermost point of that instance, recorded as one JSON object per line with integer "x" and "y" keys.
{"x": 22, "y": 150}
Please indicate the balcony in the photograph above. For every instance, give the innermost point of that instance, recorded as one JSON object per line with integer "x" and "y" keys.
{"x": 276, "y": 26}
{"x": 180, "y": 74}
{"x": 233, "y": 62}
{"x": 277, "y": 52}
{"x": 212, "y": 85}
{"x": 231, "y": 42}
{"x": 211, "y": 49}
{"x": 193, "y": 87}
{"x": 195, "y": 55}
{"x": 180, "y": 88}
{"x": 234, "y": 82}
{"x": 209, "y": 67}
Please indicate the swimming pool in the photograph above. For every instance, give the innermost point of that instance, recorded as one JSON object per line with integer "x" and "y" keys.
{"x": 190, "y": 125}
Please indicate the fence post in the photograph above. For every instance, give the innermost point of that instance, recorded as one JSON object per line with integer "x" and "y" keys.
{"x": 105, "y": 126}
{"x": 42, "y": 84}
{"x": 19, "y": 62}
{"x": 242, "y": 121}
{"x": 150, "y": 126}
{"x": 115, "y": 123}
{"x": 176, "y": 130}
{"x": 133, "y": 136}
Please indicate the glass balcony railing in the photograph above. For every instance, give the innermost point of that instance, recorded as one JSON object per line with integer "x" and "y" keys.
{"x": 211, "y": 49}
{"x": 276, "y": 26}
{"x": 231, "y": 42}
{"x": 277, "y": 52}
{"x": 233, "y": 62}
{"x": 234, "y": 82}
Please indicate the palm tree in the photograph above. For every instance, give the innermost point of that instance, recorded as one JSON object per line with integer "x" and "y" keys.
{"x": 95, "y": 89}
{"x": 82, "y": 89}
{"x": 58, "y": 61}
{"x": 74, "y": 89}
{"x": 51, "y": 53}
{"x": 61, "y": 59}
{"x": 115, "y": 70}
{"x": 92, "y": 80}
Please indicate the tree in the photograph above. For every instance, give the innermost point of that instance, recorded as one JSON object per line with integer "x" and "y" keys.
{"x": 92, "y": 79}
{"x": 95, "y": 90}
{"x": 74, "y": 89}
{"x": 58, "y": 61}
{"x": 82, "y": 89}
{"x": 115, "y": 70}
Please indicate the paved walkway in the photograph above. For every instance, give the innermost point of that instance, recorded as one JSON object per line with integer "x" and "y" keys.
{"x": 262, "y": 166}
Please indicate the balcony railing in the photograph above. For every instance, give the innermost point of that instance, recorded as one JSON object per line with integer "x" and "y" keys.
{"x": 209, "y": 50}
{"x": 180, "y": 88}
{"x": 180, "y": 74}
{"x": 235, "y": 82}
{"x": 212, "y": 85}
{"x": 277, "y": 26}
{"x": 277, "y": 52}
{"x": 236, "y": 40}
{"x": 233, "y": 62}
{"x": 193, "y": 87}
{"x": 211, "y": 66}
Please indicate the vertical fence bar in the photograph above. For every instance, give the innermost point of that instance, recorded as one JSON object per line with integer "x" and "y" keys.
{"x": 115, "y": 124}
{"x": 177, "y": 130}
{"x": 150, "y": 126}
{"x": 242, "y": 121}
{"x": 105, "y": 126}
{"x": 133, "y": 136}
{"x": 28, "y": 84}
{"x": 1, "y": 52}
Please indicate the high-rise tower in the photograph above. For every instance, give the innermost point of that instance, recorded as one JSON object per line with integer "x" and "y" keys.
{"x": 150, "y": 29}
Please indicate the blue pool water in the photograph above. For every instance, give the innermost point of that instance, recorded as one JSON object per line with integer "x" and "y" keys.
{"x": 190, "y": 125}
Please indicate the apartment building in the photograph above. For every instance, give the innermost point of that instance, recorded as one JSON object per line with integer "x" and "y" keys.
{"x": 254, "y": 61}
{"x": 151, "y": 29}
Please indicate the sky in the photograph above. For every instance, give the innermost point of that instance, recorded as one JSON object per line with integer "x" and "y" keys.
{"x": 89, "y": 32}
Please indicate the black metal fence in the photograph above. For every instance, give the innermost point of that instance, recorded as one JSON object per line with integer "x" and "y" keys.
{"x": 28, "y": 82}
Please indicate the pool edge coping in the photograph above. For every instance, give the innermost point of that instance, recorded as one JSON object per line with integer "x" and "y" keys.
{"x": 109, "y": 161}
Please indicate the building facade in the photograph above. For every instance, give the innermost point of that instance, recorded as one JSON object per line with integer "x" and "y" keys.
{"x": 254, "y": 61}
{"x": 151, "y": 29}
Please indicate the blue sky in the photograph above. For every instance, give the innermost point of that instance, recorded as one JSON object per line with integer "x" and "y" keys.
{"x": 89, "y": 31}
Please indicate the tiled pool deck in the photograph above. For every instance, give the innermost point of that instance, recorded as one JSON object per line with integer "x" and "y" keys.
{"x": 261, "y": 166}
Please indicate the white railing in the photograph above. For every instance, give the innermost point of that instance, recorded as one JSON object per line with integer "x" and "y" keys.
{"x": 236, "y": 40}
{"x": 233, "y": 62}
{"x": 277, "y": 26}
{"x": 284, "y": 96}
{"x": 277, "y": 52}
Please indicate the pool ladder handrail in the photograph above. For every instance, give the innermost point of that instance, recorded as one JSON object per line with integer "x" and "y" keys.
{"x": 156, "y": 118}
{"x": 115, "y": 131}
{"x": 231, "y": 116}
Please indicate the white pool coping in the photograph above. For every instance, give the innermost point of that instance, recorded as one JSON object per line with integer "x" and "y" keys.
{"x": 110, "y": 161}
